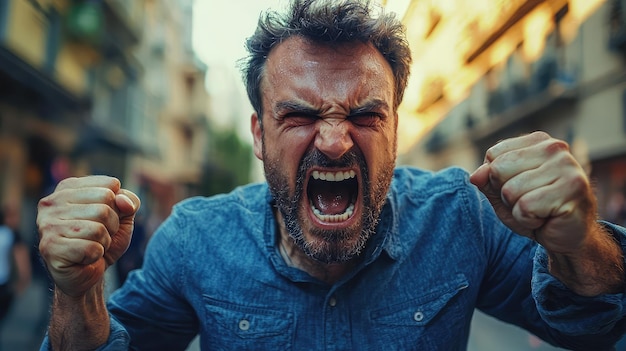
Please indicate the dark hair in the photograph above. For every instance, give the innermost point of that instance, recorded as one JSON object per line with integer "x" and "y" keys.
{"x": 328, "y": 22}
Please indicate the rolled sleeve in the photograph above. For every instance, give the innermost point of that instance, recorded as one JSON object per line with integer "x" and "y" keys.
{"x": 572, "y": 314}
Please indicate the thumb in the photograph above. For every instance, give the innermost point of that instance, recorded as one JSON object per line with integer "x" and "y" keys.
{"x": 127, "y": 202}
{"x": 480, "y": 177}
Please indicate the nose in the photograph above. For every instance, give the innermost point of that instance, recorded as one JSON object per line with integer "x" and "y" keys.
{"x": 333, "y": 137}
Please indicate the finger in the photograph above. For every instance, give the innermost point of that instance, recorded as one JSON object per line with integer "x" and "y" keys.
{"x": 561, "y": 198}
{"x": 98, "y": 213}
{"x": 527, "y": 181}
{"x": 511, "y": 144}
{"x": 56, "y": 202}
{"x": 71, "y": 251}
{"x": 86, "y": 230}
{"x": 514, "y": 162}
{"x": 97, "y": 181}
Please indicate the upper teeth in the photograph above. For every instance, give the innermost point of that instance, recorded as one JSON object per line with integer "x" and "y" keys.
{"x": 333, "y": 176}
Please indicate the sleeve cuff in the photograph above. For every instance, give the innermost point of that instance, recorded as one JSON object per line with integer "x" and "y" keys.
{"x": 568, "y": 312}
{"x": 118, "y": 339}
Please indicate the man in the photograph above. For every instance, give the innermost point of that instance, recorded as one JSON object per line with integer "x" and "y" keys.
{"x": 339, "y": 250}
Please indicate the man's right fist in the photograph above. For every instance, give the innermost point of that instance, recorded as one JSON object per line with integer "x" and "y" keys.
{"x": 85, "y": 226}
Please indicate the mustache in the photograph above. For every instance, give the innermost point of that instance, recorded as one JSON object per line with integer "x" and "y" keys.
{"x": 316, "y": 158}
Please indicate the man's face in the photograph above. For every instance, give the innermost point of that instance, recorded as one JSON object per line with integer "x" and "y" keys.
{"x": 328, "y": 143}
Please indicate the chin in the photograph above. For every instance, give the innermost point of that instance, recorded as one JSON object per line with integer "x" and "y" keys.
{"x": 329, "y": 246}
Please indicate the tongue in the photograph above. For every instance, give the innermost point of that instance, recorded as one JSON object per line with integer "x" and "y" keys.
{"x": 330, "y": 199}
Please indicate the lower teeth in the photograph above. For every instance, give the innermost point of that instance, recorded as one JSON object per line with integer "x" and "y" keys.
{"x": 334, "y": 218}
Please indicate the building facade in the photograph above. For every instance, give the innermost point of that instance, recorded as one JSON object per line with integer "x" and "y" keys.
{"x": 554, "y": 65}
{"x": 489, "y": 70}
{"x": 56, "y": 57}
{"x": 99, "y": 87}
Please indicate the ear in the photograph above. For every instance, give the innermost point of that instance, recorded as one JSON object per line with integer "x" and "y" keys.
{"x": 257, "y": 134}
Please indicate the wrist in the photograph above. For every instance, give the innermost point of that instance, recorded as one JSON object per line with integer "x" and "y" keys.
{"x": 79, "y": 322}
{"x": 596, "y": 268}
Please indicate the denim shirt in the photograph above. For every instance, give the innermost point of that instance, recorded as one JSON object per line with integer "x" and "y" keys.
{"x": 439, "y": 252}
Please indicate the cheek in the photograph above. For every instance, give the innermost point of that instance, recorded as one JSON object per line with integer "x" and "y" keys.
{"x": 379, "y": 150}
{"x": 287, "y": 153}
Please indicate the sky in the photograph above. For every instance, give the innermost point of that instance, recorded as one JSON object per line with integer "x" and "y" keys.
{"x": 221, "y": 27}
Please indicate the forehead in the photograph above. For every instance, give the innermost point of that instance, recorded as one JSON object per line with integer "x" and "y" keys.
{"x": 300, "y": 66}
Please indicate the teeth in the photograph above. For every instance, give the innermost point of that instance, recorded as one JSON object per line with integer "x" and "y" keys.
{"x": 333, "y": 176}
{"x": 334, "y": 218}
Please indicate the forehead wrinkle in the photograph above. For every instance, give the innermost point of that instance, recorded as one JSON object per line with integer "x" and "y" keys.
{"x": 319, "y": 82}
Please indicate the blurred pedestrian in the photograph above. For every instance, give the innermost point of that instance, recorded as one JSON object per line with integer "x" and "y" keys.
{"x": 15, "y": 268}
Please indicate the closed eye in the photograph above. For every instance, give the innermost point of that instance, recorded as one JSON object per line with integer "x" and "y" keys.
{"x": 365, "y": 119}
{"x": 300, "y": 119}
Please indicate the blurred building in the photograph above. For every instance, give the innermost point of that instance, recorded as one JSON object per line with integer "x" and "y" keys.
{"x": 497, "y": 69}
{"x": 487, "y": 70}
{"x": 66, "y": 71}
{"x": 175, "y": 103}
{"x": 100, "y": 87}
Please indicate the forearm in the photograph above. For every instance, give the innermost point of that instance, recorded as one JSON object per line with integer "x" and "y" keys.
{"x": 79, "y": 323}
{"x": 598, "y": 268}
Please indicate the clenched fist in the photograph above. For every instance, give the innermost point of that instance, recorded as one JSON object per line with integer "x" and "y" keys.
{"x": 85, "y": 226}
{"x": 539, "y": 190}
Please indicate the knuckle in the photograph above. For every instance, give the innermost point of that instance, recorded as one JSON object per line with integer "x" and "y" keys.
{"x": 497, "y": 169}
{"x": 66, "y": 183}
{"x": 540, "y": 135}
{"x": 45, "y": 202}
{"x": 524, "y": 207}
{"x": 102, "y": 213}
{"x": 555, "y": 146}
{"x": 101, "y": 235}
{"x": 92, "y": 253}
{"x": 108, "y": 197}
{"x": 508, "y": 194}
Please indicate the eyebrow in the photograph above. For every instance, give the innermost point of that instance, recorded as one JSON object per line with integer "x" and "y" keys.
{"x": 290, "y": 106}
{"x": 368, "y": 106}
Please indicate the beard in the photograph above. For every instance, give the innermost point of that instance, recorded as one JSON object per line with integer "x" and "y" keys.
{"x": 329, "y": 246}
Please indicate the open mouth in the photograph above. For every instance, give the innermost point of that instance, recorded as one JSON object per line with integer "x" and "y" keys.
{"x": 332, "y": 195}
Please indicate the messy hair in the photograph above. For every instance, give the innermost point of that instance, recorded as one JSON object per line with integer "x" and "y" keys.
{"x": 327, "y": 22}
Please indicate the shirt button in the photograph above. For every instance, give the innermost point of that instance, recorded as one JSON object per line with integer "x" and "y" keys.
{"x": 244, "y": 324}
{"x": 332, "y": 302}
{"x": 418, "y": 316}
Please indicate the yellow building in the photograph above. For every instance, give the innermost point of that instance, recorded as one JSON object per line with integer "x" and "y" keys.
{"x": 486, "y": 70}
{"x": 66, "y": 70}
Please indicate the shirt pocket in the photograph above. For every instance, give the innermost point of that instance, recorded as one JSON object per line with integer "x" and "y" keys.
{"x": 232, "y": 326}
{"x": 426, "y": 320}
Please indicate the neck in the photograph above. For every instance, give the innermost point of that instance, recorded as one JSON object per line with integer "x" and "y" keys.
{"x": 294, "y": 256}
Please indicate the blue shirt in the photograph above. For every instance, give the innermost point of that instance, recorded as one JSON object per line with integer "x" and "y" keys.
{"x": 439, "y": 252}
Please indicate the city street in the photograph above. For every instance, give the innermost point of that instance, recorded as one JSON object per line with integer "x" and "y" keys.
{"x": 25, "y": 326}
